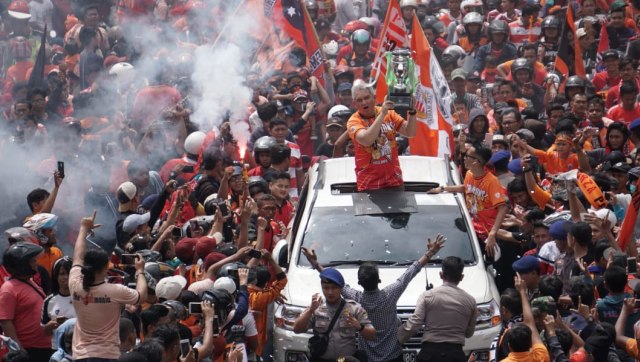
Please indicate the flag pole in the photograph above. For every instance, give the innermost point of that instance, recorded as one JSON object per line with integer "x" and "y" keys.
{"x": 315, "y": 34}
{"x": 235, "y": 12}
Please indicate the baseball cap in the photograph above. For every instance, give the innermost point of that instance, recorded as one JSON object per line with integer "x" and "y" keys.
{"x": 225, "y": 283}
{"x": 499, "y": 156}
{"x": 458, "y": 73}
{"x": 621, "y": 167}
{"x": 498, "y": 138}
{"x": 19, "y": 9}
{"x": 213, "y": 258}
{"x": 526, "y": 264}
{"x": 334, "y": 122}
{"x": 606, "y": 214}
{"x": 558, "y": 230}
{"x": 344, "y": 87}
{"x": 635, "y": 124}
{"x": 133, "y": 221}
{"x": 332, "y": 275}
{"x": 205, "y": 245}
{"x": 148, "y": 201}
{"x": 617, "y": 5}
{"x": 610, "y": 53}
{"x": 515, "y": 166}
{"x": 126, "y": 192}
{"x": 170, "y": 287}
{"x": 185, "y": 249}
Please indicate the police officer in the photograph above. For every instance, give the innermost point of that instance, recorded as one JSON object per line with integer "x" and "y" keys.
{"x": 353, "y": 318}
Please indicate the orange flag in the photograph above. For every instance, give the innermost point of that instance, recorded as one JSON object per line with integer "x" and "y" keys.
{"x": 629, "y": 222}
{"x": 393, "y": 35}
{"x": 434, "y": 135}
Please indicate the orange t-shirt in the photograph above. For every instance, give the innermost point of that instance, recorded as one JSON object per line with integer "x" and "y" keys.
{"x": 617, "y": 113}
{"x": 632, "y": 348}
{"x": 483, "y": 195}
{"x": 377, "y": 166}
{"x": 554, "y": 164}
{"x": 48, "y": 258}
{"x": 538, "y": 353}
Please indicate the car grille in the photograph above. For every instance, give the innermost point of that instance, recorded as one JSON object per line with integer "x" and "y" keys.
{"x": 415, "y": 341}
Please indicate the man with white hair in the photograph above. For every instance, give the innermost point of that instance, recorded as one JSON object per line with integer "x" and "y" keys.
{"x": 373, "y": 131}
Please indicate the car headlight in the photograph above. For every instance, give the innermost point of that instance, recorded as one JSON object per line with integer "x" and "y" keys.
{"x": 286, "y": 315}
{"x": 488, "y": 315}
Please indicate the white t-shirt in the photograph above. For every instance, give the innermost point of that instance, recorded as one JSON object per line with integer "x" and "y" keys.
{"x": 56, "y": 305}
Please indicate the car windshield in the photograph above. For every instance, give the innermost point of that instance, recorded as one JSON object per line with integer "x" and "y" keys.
{"x": 340, "y": 237}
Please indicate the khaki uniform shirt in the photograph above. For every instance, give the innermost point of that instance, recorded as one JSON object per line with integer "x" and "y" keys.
{"x": 342, "y": 339}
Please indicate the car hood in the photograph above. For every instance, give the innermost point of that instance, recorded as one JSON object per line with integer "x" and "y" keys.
{"x": 304, "y": 282}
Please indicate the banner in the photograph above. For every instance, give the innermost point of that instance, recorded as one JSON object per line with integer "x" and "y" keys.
{"x": 296, "y": 23}
{"x": 434, "y": 135}
{"x": 393, "y": 35}
{"x": 569, "y": 59}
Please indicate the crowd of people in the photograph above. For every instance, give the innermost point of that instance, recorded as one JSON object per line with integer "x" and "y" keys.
{"x": 150, "y": 229}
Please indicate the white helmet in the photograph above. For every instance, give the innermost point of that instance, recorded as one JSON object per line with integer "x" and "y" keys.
{"x": 194, "y": 141}
{"x": 124, "y": 72}
{"x": 471, "y": 3}
{"x": 225, "y": 283}
{"x": 337, "y": 108}
{"x": 331, "y": 48}
{"x": 405, "y": 3}
{"x": 38, "y": 222}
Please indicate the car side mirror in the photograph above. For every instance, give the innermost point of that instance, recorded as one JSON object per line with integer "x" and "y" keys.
{"x": 281, "y": 254}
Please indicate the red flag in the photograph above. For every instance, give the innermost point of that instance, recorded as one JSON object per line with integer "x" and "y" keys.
{"x": 629, "y": 222}
{"x": 569, "y": 59}
{"x": 434, "y": 133}
{"x": 295, "y": 21}
{"x": 394, "y": 34}
{"x": 603, "y": 44}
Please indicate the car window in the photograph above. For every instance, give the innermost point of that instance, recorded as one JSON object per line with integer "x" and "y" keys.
{"x": 336, "y": 234}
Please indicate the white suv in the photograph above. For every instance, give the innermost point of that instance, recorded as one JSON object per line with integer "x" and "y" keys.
{"x": 346, "y": 228}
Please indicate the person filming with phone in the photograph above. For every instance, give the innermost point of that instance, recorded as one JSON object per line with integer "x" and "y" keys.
{"x": 97, "y": 303}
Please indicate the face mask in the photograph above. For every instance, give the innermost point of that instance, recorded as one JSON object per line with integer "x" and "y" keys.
{"x": 632, "y": 188}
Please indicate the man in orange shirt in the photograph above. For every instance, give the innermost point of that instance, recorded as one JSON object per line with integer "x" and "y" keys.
{"x": 627, "y": 108}
{"x": 485, "y": 196}
{"x": 373, "y": 132}
{"x": 562, "y": 158}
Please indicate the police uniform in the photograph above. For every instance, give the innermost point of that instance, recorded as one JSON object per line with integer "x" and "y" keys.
{"x": 342, "y": 338}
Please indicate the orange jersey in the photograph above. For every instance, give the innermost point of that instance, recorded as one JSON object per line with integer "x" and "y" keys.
{"x": 484, "y": 195}
{"x": 554, "y": 164}
{"x": 377, "y": 166}
{"x": 48, "y": 258}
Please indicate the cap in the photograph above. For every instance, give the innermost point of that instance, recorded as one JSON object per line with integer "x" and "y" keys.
{"x": 332, "y": 275}
{"x": 526, "y": 264}
{"x": 212, "y": 258}
{"x": 300, "y": 95}
{"x": 515, "y": 166}
{"x": 344, "y": 87}
{"x": 335, "y": 122}
{"x": 225, "y": 283}
{"x": 473, "y": 75}
{"x": 558, "y": 230}
{"x": 498, "y": 138}
{"x": 185, "y": 249}
{"x": 499, "y": 156}
{"x": 132, "y": 222}
{"x": 170, "y": 287}
{"x": 606, "y": 214}
{"x": 544, "y": 304}
{"x": 621, "y": 167}
{"x": 617, "y": 5}
{"x": 126, "y": 192}
{"x": 148, "y": 201}
{"x": 19, "y": 9}
{"x": 205, "y": 245}
{"x": 458, "y": 73}
{"x": 580, "y": 33}
{"x": 610, "y": 53}
{"x": 635, "y": 124}
{"x": 525, "y": 134}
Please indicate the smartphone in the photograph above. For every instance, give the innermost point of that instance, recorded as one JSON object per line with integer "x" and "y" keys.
{"x": 488, "y": 140}
{"x": 61, "y": 169}
{"x": 237, "y": 333}
{"x": 637, "y": 304}
{"x": 533, "y": 163}
{"x": 176, "y": 232}
{"x": 216, "y": 327}
{"x": 185, "y": 347}
{"x": 187, "y": 169}
{"x": 631, "y": 265}
{"x": 195, "y": 308}
{"x": 256, "y": 254}
{"x": 128, "y": 259}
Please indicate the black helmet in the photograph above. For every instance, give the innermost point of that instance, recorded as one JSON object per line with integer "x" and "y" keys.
{"x": 264, "y": 144}
{"x": 360, "y": 36}
{"x": 498, "y": 26}
{"x": 17, "y": 258}
{"x": 158, "y": 270}
{"x": 575, "y": 81}
{"x": 311, "y": 5}
{"x": 551, "y": 21}
{"x": 19, "y": 233}
{"x": 521, "y": 64}
{"x": 150, "y": 255}
{"x": 222, "y": 301}
{"x": 231, "y": 270}
{"x": 178, "y": 308}
{"x": 257, "y": 184}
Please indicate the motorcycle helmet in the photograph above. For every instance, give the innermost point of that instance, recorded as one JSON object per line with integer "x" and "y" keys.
{"x": 18, "y": 234}
{"x": 222, "y": 301}
{"x": 257, "y": 184}
{"x": 264, "y": 144}
{"x": 178, "y": 308}
{"x": 360, "y": 37}
{"x": 339, "y": 111}
{"x": 17, "y": 258}
{"x": 123, "y": 72}
{"x": 521, "y": 64}
{"x": 158, "y": 270}
{"x": 498, "y": 27}
{"x": 456, "y": 54}
{"x": 350, "y": 27}
{"x": 472, "y": 18}
{"x": 551, "y": 21}
{"x": 40, "y": 222}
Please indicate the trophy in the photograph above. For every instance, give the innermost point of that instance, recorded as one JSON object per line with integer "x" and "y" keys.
{"x": 401, "y": 79}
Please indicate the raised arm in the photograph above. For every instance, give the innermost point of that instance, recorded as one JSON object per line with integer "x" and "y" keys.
{"x": 527, "y": 314}
{"x": 86, "y": 228}
{"x": 51, "y": 200}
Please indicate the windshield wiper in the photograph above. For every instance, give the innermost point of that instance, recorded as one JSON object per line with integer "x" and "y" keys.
{"x": 358, "y": 262}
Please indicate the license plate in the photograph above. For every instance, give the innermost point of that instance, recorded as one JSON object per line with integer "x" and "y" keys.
{"x": 409, "y": 356}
